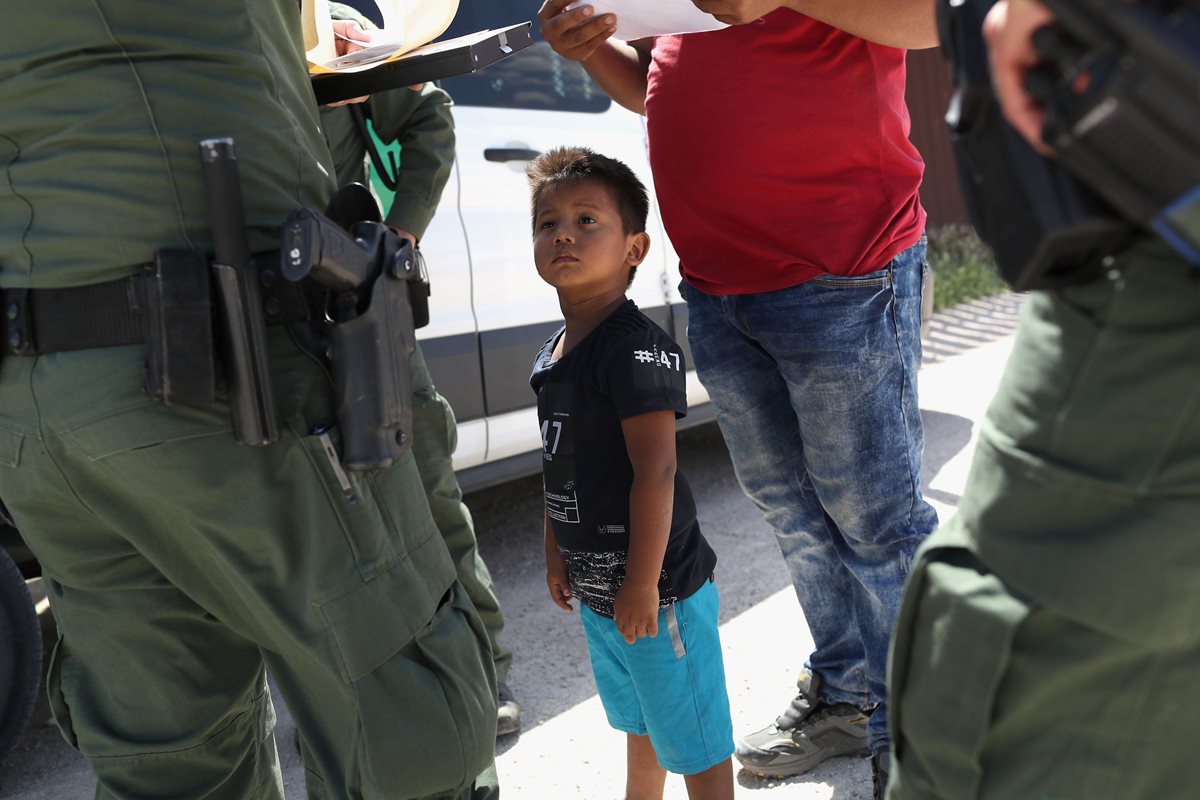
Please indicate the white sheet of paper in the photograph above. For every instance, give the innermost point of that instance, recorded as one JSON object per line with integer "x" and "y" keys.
{"x": 637, "y": 19}
{"x": 407, "y": 24}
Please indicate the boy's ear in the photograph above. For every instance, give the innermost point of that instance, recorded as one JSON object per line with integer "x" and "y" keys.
{"x": 639, "y": 245}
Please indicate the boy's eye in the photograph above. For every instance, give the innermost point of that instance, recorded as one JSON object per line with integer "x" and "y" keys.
{"x": 587, "y": 220}
{"x": 546, "y": 223}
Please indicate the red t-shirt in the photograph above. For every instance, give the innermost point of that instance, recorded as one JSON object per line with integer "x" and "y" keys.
{"x": 780, "y": 152}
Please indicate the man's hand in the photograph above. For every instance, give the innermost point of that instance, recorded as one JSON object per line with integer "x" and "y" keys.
{"x": 556, "y": 579}
{"x": 403, "y": 234}
{"x": 738, "y": 12}
{"x": 1008, "y": 29}
{"x": 576, "y": 34}
{"x": 636, "y": 610}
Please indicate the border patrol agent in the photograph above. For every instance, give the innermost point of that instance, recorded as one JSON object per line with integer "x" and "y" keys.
{"x": 421, "y": 122}
{"x": 1049, "y": 637}
{"x": 181, "y": 564}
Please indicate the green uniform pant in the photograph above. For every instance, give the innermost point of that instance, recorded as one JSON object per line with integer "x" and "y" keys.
{"x": 435, "y": 438}
{"x": 1049, "y": 641}
{"x": 180, "y": 563}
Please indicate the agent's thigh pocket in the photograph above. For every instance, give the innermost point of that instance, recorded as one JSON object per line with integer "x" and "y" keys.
{"x": 953, "y": 646}
{"x": 429, "y": 712}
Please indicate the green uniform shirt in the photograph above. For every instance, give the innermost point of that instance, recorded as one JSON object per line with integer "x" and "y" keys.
{"x": 96, "y": 176}
{"x": 420, "y": 122}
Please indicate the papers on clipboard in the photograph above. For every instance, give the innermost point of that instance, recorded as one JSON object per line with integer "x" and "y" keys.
{"x": 407, "y": 25}
{"x": 445, "y": 59}
{"x": 637, "y": 19}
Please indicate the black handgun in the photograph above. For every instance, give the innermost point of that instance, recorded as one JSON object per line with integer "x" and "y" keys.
{"x": 1121, "y": 88}
{"x": 1121, "y": 85}
{"x": 316, "y": 246}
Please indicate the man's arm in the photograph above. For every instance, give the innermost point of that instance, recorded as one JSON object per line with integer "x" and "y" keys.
{"x": 421, "y": 122}
{"x": 620, "y": 69}
{"x": 910, "y": 24}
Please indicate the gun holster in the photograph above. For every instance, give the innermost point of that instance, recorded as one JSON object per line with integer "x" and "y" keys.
{"x": 370, "y": 353}
{"x": 363, "y": 275}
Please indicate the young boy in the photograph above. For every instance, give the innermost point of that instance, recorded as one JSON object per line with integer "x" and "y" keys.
{"x": 621, "y": 530}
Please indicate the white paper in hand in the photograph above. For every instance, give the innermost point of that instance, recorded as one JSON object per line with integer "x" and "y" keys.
{"x": 637, "y": 19}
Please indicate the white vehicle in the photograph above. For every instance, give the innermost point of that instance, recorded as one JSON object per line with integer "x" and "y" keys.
{"x": 490, "y": 312}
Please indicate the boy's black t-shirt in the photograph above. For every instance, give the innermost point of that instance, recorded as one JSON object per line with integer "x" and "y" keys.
{"x": 625, "y": 367}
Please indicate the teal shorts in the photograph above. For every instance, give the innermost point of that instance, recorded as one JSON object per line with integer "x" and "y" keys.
{"x": 671, "y": 686}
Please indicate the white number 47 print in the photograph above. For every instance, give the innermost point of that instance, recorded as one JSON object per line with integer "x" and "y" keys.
{"x": 546, "y": 426}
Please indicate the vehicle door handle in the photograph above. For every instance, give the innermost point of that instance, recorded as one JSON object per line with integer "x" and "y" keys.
{"x": 504, "y": 154}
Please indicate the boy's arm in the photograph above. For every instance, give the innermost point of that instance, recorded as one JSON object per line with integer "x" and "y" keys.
{"x": 556, "y": 571}
{"x": 620, "y": 69}
{"x": 650, "y": 442}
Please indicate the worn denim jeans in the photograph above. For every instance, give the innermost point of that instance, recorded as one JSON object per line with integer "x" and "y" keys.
{"x": 815, "y": 389}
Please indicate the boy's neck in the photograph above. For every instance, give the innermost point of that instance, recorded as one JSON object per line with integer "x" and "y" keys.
{"x": 582, "y": 317}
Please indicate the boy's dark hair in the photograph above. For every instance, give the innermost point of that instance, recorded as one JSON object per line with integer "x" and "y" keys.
{"x": 579, "y": 164}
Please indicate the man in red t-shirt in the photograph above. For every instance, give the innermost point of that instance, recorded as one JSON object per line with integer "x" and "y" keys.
{"x": 781, "y": 161}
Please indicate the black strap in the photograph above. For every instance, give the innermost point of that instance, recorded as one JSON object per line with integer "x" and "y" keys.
{"x": 113, "y": 314}
{"x": 389, "y": 178}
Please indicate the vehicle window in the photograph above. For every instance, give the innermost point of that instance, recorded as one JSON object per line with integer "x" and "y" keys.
{"x": 535, "y": 78}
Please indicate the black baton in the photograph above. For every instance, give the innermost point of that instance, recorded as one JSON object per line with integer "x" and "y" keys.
{"x": 251, "y": 401}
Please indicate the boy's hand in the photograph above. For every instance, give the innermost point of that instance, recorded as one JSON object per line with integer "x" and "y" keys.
{"x": 574, "y": 34}
{"x": 556, "y": 579}
{"x": 635, "y": 610}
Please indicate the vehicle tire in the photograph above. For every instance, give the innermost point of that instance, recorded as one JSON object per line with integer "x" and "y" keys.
{"x": 20, "y": 655}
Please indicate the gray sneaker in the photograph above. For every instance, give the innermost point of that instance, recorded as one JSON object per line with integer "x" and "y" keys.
{"x": 809, "y": 732}
{"x": 508, "y": 713}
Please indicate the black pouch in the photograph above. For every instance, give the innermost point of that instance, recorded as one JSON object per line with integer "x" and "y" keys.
{"x": 419, "y": 291}
{"x": 180, "y": 359}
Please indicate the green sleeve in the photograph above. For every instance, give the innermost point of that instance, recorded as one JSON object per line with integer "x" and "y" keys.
{"x": 421, "y": 123}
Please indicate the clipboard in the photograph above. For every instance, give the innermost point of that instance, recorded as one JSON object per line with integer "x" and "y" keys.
{"x": 446, "y": 59}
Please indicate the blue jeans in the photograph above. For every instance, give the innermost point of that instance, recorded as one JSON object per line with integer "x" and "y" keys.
{"x": 815, "y": 389}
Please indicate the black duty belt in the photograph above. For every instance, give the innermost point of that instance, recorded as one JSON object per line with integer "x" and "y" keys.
{"x": 113, "y": 314}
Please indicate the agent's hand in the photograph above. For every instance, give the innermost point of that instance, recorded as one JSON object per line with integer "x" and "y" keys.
{"x": 1008, "y": 29}
{"x": 556, "y": 580}
{"x": 349, "y": 37}
{"x": 577, "y": 33}
{"x": 404, "y": 234}
{"x": 636, "y": 611}
{"x": 738, "y": 12}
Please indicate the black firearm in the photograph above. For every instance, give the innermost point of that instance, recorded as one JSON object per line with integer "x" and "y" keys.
{"x": 366, "y": 273}
{"x": 1121, "y": 86}
{"x": 243, "y": 333}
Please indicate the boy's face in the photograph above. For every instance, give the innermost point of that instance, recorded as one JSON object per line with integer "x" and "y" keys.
{"x": 579, "y": 242}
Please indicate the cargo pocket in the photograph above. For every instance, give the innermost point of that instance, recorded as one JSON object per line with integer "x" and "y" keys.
{"x": 953, "y": 643}
{"x": 428, "y": 713}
